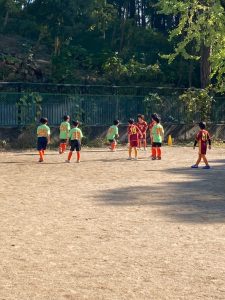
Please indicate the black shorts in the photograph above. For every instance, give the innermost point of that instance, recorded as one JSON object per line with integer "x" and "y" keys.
{"x": 112, "y": 141}
{"x": 75, "y": 144}
{"x": 63, "y": 141}
{"x": 156, "y": 145}
{"x": 42, "y": 143}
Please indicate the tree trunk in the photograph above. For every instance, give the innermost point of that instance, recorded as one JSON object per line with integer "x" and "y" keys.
{"x": 132, "y": 9}
{"x": 6, "y": 19}
{"x": 143, "y": 22}
{"x": 205, "y": 68}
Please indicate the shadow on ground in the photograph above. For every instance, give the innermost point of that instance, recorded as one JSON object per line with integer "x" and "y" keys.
{"x": 200, "y": 198}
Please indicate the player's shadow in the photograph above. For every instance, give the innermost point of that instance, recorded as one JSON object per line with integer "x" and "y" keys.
{"x": 198, "y": 199}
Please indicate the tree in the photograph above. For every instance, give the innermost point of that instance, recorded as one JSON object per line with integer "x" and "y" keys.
{"x": 199, "y": 34}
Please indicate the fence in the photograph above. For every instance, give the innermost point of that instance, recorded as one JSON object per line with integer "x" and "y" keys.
{"x": 99, "y": 109}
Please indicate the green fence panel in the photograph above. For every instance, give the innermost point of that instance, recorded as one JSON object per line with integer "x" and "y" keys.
{"x": 97, "y": 109}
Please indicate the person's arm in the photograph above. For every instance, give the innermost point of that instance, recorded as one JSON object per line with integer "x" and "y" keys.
{"x": 162, "y": 133}
{"x": 139, "y": 132}
{"x": 49, "y": 132}
{"x": 210, "y": 142}
{"x": 195, "y": 143}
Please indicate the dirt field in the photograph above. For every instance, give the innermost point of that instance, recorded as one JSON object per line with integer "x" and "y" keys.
{"x": 109, "y": 228}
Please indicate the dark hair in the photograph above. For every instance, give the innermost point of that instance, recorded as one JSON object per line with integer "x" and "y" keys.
{"x": 156, "y": 118}
{"x": 116, "y": 122}
{"x": 131, "y": 121}
{"x": 66, "y": 117}
{"x": 140, "y": 116}
{"x": 76, "y": 123}
{"x": 202, "y": 125}
{"x": 155, "y": 115}
{"x": 43, "y": 120}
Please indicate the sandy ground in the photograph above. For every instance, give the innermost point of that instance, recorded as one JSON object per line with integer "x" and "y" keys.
{"x": 109, "y": 228}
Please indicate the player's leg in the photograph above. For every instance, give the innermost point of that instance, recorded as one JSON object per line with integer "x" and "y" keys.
{"x": 135, "y": 152}
{"x": 63, "y": 147}
{"x": 159, "y": 153}
{"x": 205, "y": 160}
{"x": 40, "y": 149}
{"x": 72, "y": 148}
{"x": 129, "y": 152}
{"x": 60, "y": 148}
{"x": 113, "y": 145}
{"x": 145, "y": 143}
{"x": 41, "y": 156}
{"x": 78, "y": 149}
{"x": 154, "y": 151}
{"x": 198, "y": 160}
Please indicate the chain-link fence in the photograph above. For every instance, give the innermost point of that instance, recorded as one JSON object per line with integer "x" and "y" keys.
{"x": 92, "y": 107}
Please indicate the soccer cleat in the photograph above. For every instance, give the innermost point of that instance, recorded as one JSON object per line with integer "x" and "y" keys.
{"x": 78, "y": 161}
{"x": 206, "y": 167}
{"x": 67, "y": 161}
{"x": 159, "y": 158}
{"x": 40, "y": 160}
{"x": 129, "y": 158}
{"x": 194, "y": 167}
{"x": 153, "y": 158}
{"x": 135, "y": 158}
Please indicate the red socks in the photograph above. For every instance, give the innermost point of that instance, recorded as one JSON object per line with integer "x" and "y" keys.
{"x": 41, "y": 154}
{"x": 159, "y": 152}
{"x": 78, "y": 156}
{"x": 70, "y": 155}
{"x": 156, "y": 152}
{"x": 62, "y": 147}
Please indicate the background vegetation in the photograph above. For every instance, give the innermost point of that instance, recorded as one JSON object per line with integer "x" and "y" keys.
{"x": 125, "y": 42}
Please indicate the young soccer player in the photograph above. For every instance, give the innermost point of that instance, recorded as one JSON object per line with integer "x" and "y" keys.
{"x": 142, "y": 126}
{"x": 113, "y": 134}
{"x": 150, "y": 126}
{"x": 43, "y": 138}
{"x": 157, "y": 138}
{"x": 202, "y": 139}
{"x": 133, "y": 137}
{"x": 64, "y": 134}
{"x": 75, "y": 137}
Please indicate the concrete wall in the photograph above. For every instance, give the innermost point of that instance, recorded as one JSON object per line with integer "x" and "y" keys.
{"x": 16, "y": 136}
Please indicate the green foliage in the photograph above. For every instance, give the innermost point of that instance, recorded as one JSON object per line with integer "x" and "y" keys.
{"x": 80, "y": 38}
{"x": 198, "y": 104}
{"x": 201, "y": 24}
{"x": 153, "y": 102}
{"x": 116, "y": 71}
{"x": 29, "y": 108}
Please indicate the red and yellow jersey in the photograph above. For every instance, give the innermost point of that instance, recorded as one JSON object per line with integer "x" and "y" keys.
{"x": 142, "y": 126}
{"x": 203, "y": 136}
{"x": 133, "y": 132}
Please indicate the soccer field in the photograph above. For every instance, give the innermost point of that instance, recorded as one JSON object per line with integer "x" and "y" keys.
{"x": 109, "y": 228}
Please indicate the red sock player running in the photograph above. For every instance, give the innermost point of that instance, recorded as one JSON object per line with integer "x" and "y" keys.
{"x": 150, "y": 126}
{"x": 142, "y": 126}
{"x": 202, "y": 139}
{"x": 157, "y": 138}
{"x": 75, "y": 137}
{"x": 113, "y": 134}
{"x": 64, "y": 134}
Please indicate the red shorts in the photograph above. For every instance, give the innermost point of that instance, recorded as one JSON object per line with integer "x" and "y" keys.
{"x": 143, "y": 137}
{"x": 202, "y": 148}
{"x": 133, "y": 143}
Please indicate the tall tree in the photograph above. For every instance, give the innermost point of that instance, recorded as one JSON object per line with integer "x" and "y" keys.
{"x": 199, "y": 34}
